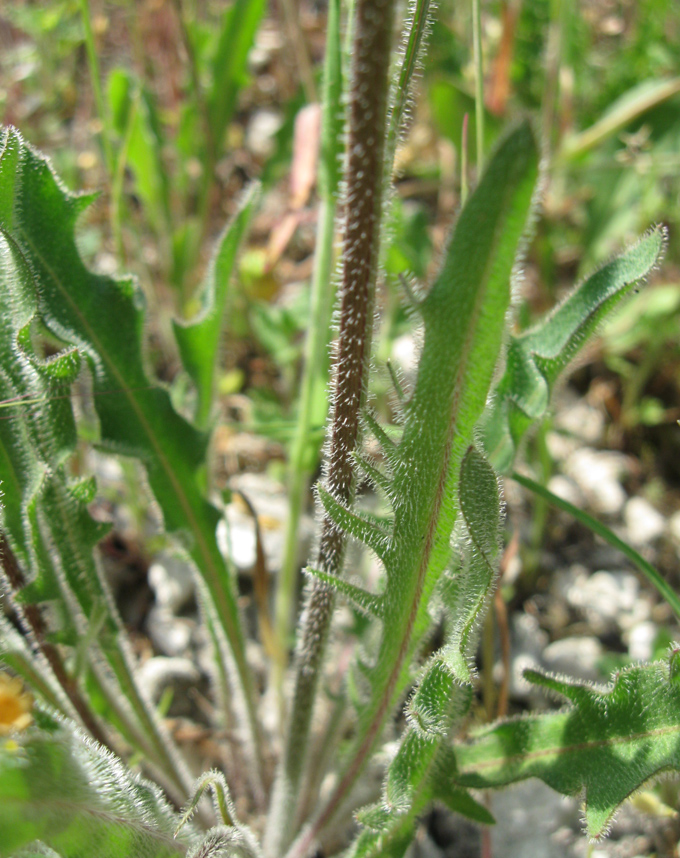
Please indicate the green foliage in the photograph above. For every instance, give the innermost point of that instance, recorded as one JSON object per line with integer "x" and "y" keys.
{"x": 478, "y": 390}
{"x": 37, "y": 216}
{"x": 58, "y": 787}
{"x": 199, "y": 339}
{"x": 606, "y": 745}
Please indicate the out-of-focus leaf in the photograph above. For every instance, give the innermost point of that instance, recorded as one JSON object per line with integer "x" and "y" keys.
{"x": 627, "y": 108}
{"x": 239, "y": 26}
{"x": 62, "y": 789}
{"x": 198, "y": 340}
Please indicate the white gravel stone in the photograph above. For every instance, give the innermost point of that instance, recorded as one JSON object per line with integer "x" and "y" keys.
{"x": 172, "y": 581}
{"x": 598, "y": 474}
{"x": 236, "y": 535}
{"x": 641, "y": 641}
{"x": 581, "y": 420}
{"x": 159, "y": 672}
{"x": 169, "y": 634}
{"x": 576, "y": 656}
{"x": 566, "y": 489}
{"x": 609, "y": 601}
{"x": 674, "y": 526}
{"x": 528, "y": 641}
{"x": 261, "y": 131}
{"x": 643, "y": 523}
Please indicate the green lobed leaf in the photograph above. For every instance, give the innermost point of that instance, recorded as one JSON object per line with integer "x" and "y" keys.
{"x": 48, "y": 529}
{"x": 199, "y": 339}
{"x": 77, "y": 798}
{"x": 605, "y": 746}
{"x": 104, "y": 319}
{"x": 537, "y": 357}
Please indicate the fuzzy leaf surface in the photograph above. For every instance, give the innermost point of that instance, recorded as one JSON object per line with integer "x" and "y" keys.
{"x": 607, "y": 744}
{"x": 103, "y": 318}
{"x": 62, "y": 789}
{"x": 463, "y": 318}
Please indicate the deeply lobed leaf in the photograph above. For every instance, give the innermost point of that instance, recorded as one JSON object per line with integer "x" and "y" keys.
{"x": 606, "y": 745}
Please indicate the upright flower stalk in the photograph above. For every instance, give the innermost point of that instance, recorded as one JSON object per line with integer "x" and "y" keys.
{"x": 363, "y": 202}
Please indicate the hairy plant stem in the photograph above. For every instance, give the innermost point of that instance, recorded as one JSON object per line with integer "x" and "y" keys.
{"x": 367, "y": 127}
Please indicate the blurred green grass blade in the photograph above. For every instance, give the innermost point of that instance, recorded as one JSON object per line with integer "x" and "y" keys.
{"x": 607, "y": 744}
{"x": 199, "y": 339}
{"x": 653, "y": 575}
{"x": 536, "y": 358}
{"x": 229, "y": 65}
{"x": 332, "y": 119}
{"x": 104, "y": 318}
{"x": 135, "y": 119}
{"x": 417, "y": 34}
{"x": 68, "y": 792}
{"x": 626, "y": 109}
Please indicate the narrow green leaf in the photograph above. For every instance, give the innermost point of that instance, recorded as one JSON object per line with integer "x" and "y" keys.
{"x": 631, "y": 105}
{"x": 653, "y": 575}
{"x": 229, "y": 66}
{"x": 64, "y": 790}
{"x": 199, "y": 339}
{"x": 606, "y": 745}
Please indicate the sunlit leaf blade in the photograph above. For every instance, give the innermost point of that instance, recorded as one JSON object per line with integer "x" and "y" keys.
{"x": 199, "y": 339}
{"x": 62, "y": 789}
{"x": 605, "y": 745}
{"x": 135, "y": 118}
{"x": 104, "y": 319}
{"x": 536, "y": 358}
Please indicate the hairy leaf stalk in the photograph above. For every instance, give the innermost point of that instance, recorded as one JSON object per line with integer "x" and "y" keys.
{"x": 367, "y": 125}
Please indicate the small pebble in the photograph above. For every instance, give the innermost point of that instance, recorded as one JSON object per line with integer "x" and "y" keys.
{"x": 643, "y": 523}
{"x": 598, "y": 474}
{"x": 169, "y": 634}
{"x": 566, "y": 489}
{"x": 172, "y": 581}
{"x": 157, "y": 673}
{"x": 575, "y": 657}
{"x": 641, "y": 639}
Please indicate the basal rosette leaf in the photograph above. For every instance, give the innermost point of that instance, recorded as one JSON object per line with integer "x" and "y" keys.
{"x": 64, "y": 790}
{"x": 49, "y": 535}
{"x": 103, "y": 318}
{"x": 536, "y": 358}
{"x": 606, "y": 745}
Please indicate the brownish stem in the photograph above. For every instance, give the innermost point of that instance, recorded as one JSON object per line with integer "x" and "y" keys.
{"x": 367, "y": 128}
{"x": 36, "y": 626}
